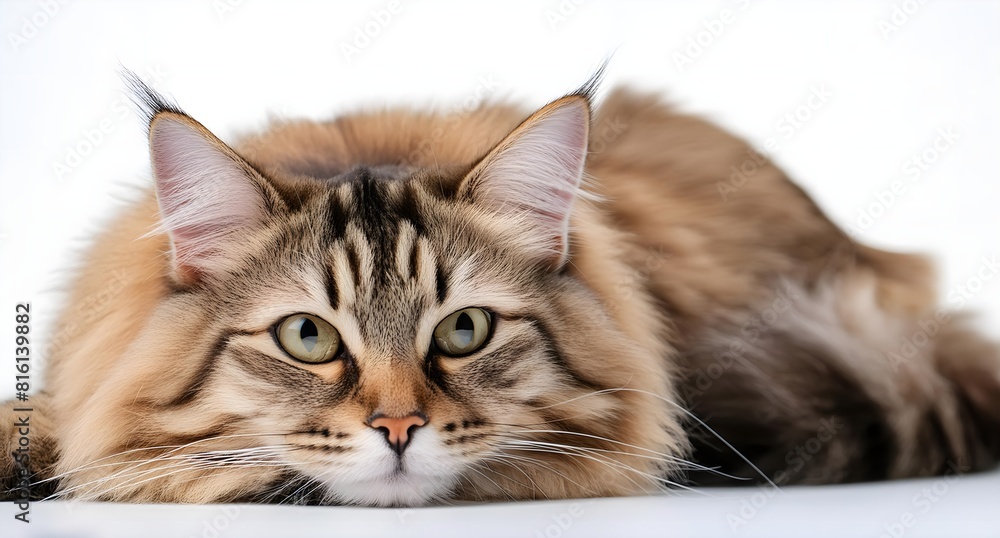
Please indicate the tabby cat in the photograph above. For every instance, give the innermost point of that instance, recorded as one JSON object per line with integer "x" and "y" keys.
{"x": 400, "y": 307}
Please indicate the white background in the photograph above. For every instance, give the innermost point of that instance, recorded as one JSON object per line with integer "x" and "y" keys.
{"x": 233, "y": 63}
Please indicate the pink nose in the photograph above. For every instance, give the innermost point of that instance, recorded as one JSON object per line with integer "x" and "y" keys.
{"x": 398, "y": 431}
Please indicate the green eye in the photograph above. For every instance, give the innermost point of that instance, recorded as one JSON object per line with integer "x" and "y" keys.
{"x": 308, "y": 338}
{"x": 463, "y": 332}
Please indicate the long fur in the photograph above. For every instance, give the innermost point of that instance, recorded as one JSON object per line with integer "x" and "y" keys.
{"x": 687, "y": 337}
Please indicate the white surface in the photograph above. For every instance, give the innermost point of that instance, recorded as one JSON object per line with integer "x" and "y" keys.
{"x": 944, "y": 507}
{"x": 230, "y": 68}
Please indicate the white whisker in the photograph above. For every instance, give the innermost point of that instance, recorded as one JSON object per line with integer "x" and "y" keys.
{"x": 683, "y": 410}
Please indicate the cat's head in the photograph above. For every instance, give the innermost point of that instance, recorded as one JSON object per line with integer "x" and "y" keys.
{"x": 394, "y": 335}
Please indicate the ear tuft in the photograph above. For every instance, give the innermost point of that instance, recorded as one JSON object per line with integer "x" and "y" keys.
{"x": 147, "y": 101}
{"x": 536, "y": 172}
{"x": 589, "y": 88}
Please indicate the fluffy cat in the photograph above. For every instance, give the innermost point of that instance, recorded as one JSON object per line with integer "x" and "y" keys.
{"x": 401, "y": 308}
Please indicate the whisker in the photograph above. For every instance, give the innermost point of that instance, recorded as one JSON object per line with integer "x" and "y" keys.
{"x": 319, "y": 482}
{"x": 174, "y": 448}
{"x": 710, "y": 430}
{"x": 539, "y": 463}
{"x": 510, "y": 459}
{"x": 133, "y": 465}
{"x": 588, "y": 453}
{"x": 216, "y": 459}
{"x": 177, "y": 468}
{"x": 618, "y": 469}
{"x": 480, "y": 473}
{"x": 683, "y": 410}
{"x": 656, "y": 456}
{"x": 484, "y": 464}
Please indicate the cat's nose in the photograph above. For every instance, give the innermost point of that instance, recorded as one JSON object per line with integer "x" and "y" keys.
{"x": 398, "y": 431}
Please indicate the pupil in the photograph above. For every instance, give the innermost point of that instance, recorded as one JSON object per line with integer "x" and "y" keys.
{"x": 464, "y": 330}
{"x": 464, "y": 323}
{"x": 309, "y": 334}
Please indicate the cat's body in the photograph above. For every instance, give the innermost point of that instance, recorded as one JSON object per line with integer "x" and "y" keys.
{"x": 746, "y": 306}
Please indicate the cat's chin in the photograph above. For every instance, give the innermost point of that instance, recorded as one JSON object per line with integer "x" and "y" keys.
{"x": 405, "y": 489}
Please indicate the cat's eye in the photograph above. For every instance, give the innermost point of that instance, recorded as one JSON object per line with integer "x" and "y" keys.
{"x": 308, "y": 338}
{"x": 463, "y": 332}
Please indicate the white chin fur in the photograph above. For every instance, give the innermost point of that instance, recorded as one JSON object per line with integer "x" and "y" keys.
{"x": 370, "y": 475}
{"x": 401, "y": 490}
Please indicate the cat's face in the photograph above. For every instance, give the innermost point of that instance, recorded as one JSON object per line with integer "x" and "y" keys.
{"x": 390, "y": 336}
{"x": 384, "y": 289}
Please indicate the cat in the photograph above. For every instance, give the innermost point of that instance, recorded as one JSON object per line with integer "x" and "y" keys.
{"x": 401, "y": 308}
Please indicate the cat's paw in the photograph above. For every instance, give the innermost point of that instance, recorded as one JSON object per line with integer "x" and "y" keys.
{"x": 28, "y": 449}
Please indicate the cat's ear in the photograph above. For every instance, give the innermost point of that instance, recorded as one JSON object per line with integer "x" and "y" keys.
{"x": 535, "y": 173}
{"x": 207, "y": 194}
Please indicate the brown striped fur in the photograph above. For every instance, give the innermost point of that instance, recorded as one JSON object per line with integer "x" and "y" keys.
{"x": 752, "y": 310}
